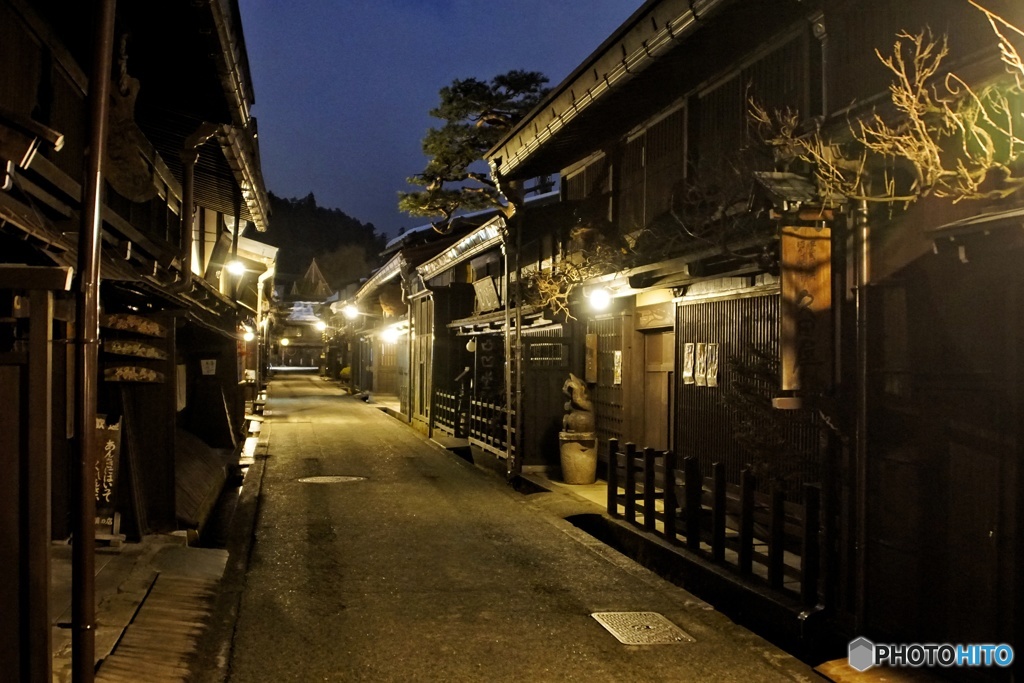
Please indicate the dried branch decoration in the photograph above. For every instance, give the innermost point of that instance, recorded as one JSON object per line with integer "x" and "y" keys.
{"x": 944, "y": 138}
{"x": 553, "y": 288}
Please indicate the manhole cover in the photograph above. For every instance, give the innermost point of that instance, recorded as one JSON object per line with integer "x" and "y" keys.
{"x": 642, "y": 628}
{"x": 330, "y": 479}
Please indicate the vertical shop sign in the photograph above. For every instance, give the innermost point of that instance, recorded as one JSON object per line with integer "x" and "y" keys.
{"x": 108, "y": 456}
{"x": 806, "y": 326}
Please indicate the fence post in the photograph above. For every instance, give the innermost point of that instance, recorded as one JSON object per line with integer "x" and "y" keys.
{"x": 694, "y": 487}
{"x": 777, "y": 538}
{"x": 649, "y": 511}
{"x": 669, "y": 487}
{"x": 613, "y": 477}
{"x": 810, "y": 560}
{"x": 746, "y": 554}
{"x": 630, "y": 486}
{"x": 718, "y": 511}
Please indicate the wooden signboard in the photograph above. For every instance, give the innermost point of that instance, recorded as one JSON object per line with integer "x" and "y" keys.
{"x": 138, "y": 324}
{"x": 806, "y": 325}
{"x": 655, "y": 316}
{"x": 108, "y": 458}
{"x": 590, "y": 368}
{"x": 486, "y": 294}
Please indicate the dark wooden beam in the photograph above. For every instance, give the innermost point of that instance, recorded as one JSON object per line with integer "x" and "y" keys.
{"x": 28, "y": 278}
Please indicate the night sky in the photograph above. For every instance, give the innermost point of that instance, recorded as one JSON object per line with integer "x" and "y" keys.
{"x": 343, "y": 87}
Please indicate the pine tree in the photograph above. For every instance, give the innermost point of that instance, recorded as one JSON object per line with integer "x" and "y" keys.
{"x": 476, "y": 115}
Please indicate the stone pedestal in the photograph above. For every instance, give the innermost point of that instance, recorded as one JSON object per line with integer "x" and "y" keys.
{"x": 578, "y": 453}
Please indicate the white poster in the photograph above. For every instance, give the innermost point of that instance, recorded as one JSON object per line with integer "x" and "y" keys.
{"x": 688, "y": 363}
{"x": 712, "y": 363}
{"x": 700, "y": 365}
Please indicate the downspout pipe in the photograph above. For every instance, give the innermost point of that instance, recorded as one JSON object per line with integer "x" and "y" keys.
{"x": 510, "y": 453}
{"x": 517, "y": 224}
{"x": 261, "y": 338}
{"x": 410, "y": 345}
{"x": 189, "y": 157}
{"x": 234, "y": 244}
{"x": 513, "y": 193}
{"x": 87, "y": 330}
{"x": 862, "y": 237}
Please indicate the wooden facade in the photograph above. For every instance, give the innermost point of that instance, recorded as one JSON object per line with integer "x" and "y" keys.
{"x": 769, "y": 353}
{"x": 180, "y": 183}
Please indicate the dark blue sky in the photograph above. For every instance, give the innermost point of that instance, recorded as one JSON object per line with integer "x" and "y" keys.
{"x": 343, "y": 87}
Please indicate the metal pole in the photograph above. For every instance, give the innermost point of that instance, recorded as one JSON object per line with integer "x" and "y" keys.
{"x": 862, "y": 229}
{"x": 234, "y": 245}
{"x": 509, "y": 454}
{"x": 518, "y": 220}
{"x": 83, "y": 645}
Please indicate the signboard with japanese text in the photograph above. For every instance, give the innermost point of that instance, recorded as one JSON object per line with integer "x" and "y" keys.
{"x": 108, "y": 456}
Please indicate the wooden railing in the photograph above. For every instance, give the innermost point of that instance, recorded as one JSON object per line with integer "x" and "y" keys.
{"x": 444, "y": 411}
{"x": 760, "y": 536}
{"x": 487, "y": 424}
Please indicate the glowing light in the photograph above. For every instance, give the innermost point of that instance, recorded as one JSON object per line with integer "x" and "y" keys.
{"x": 351, "y": 312}
{"x": 600, "y": 299}
{"x": 390, "y": 335}
{"x": 285, "y": 341}
{"x": 249, "y": 335}
{"x": 320, "y": 326}
{"x": 235, "y": 267}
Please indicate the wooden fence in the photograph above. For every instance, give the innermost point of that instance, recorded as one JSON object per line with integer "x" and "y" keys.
{"x": 444, "y": 411}
{"x": 760, "y": 536}
{"x": 485, "y": 421}
{"x": 487, "y": 425}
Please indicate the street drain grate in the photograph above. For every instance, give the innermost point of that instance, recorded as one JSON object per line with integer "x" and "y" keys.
{"x": 642, "y": 628}
{"x": 331, "y": 479}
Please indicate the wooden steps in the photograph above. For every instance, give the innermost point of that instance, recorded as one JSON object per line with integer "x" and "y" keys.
{"x": 159, "y": 642}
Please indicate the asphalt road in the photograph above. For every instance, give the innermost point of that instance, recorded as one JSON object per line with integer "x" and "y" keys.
{"x": 410, "y": 564}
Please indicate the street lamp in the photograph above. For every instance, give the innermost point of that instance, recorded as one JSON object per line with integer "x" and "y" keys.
{"x": 235, "y": 267}
{"x": 600, "y": 299}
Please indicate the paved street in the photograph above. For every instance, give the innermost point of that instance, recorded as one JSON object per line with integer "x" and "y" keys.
{"x": 410, "y": 564}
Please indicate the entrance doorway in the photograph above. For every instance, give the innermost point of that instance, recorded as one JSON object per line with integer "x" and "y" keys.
{"x": 659, "y": 364}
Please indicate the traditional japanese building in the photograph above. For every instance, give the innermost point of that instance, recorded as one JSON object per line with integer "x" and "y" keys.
{"x": 831, "y": 380}
{"x": 177, "y": 184}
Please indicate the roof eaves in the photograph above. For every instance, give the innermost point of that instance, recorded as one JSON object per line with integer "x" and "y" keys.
{"x": 480, "y": 240}
{"x": 385, "y": 273}
{"x": 650, "y": 32}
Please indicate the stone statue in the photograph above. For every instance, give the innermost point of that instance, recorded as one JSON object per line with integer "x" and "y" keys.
{"x": 579, "y": 408}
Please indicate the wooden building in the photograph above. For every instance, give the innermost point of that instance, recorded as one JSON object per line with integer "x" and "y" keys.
{"x": 846, "y": 369}
{"x": 472, "y": 390}
{"x": 180, "y": 183}
{"x": 383, "y": 331}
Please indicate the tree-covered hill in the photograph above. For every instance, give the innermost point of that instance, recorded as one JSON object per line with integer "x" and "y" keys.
{"x": 345, "y": 248}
